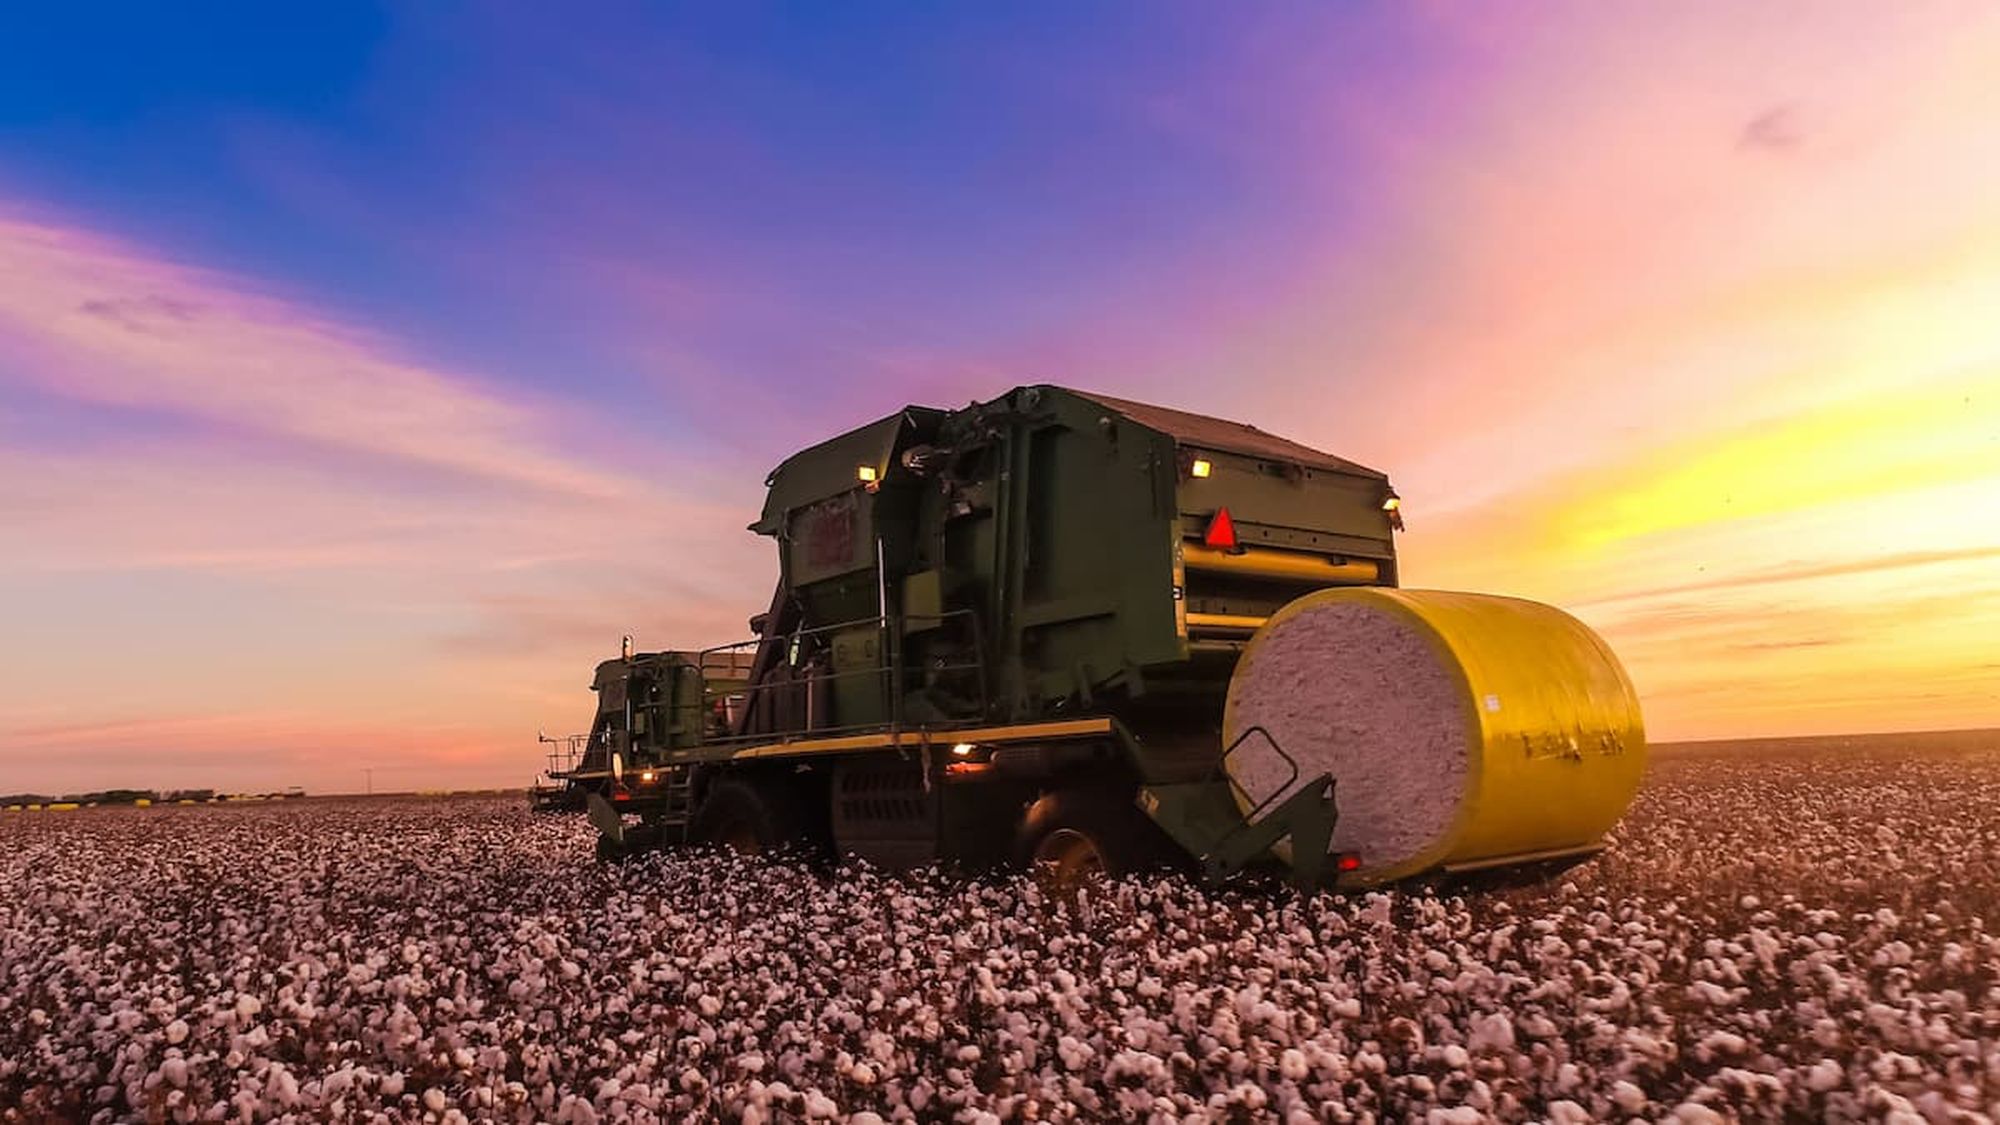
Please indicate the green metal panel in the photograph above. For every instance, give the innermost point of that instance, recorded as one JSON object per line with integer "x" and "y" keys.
{"x": 833, "y": 466}
{"x": 858, "y": 685}
{"x": 1018, "y": 560}
{"x": 1029, "y": 548}
{"x": 1295, "y": 507}
{"x": 830, "y": 537}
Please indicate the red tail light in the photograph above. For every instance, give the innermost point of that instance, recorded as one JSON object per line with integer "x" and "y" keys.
{"x": 1221, "y": 533}
{"x": 1347, "y": 861}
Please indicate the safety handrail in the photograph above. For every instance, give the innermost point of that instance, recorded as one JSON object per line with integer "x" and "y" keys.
{"x": 733, "y": 660}
{"x": 1280, "y": 791}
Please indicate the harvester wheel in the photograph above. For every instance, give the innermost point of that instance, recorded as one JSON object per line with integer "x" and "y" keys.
{"x": 1078, "y": 834}
{"x": 745, "y": 818}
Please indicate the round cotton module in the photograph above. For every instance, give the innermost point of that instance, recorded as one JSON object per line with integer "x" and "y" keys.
{"x": 1460, "y": 730}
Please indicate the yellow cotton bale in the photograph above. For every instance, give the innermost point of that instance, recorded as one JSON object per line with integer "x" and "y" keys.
{"x": 1461, "y": 730}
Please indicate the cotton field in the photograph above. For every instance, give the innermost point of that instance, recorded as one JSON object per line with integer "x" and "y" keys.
{"x": 1789, "y": 937}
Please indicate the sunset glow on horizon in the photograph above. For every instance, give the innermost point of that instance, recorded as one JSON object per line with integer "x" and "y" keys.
{"x": 353, "y": 404}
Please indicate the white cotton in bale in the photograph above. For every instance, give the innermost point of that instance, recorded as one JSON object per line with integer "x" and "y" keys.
{"x": 1459, "y": 729}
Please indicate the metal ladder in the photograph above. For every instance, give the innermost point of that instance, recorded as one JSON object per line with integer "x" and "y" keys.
{"x": 677, "y": 811}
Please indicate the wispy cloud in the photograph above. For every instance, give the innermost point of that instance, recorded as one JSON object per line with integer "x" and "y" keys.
{"x": 1800, "y": 572}
{"x": 385, "y": 560}
{"x": 90, "y": 318}
{"x": 1778, "y": 129}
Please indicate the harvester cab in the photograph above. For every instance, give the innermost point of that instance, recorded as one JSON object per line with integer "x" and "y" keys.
{"x": 1071, "y": 629}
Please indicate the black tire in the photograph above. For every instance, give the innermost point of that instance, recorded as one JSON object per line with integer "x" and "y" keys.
{"x": 1074, "y": 834}
{"x": 747, "y": 818}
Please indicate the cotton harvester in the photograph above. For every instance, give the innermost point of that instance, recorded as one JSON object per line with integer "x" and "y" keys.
{"x": 1066, "y": 629}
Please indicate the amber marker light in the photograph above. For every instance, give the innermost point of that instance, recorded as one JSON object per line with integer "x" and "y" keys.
{"x": 1201, "y": 468}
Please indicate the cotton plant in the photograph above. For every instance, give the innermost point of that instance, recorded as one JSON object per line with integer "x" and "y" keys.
{"x": 1765, "y": 939}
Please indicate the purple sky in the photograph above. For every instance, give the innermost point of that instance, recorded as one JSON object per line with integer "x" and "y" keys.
{"x": 364, "y": 375}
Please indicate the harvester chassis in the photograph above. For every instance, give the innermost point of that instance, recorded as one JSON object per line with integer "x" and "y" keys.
{"x": 1055, "y": 767}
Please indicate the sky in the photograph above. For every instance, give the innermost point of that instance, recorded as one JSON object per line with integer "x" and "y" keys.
{"x": 366, "y": 373}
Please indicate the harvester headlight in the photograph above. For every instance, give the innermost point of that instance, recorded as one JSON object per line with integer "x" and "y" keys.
{"x": 617, "y": 766}
{"x": 646, "y": 777}
{"x": 1393, "y": 504}
{"x": 866, "y": 474}
{"x": 963, "y": 749}
{"x": 1201, "y": 468}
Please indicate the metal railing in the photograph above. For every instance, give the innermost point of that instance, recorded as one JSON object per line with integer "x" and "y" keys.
{"x": 565, "y": 752}
{"x": 808, "y": 654}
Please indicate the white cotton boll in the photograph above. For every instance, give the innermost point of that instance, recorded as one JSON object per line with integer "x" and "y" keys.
{"x": 392, "y": 1085}
{"x": 177, "y": 1032}
{"x": 1825, "y": 1075}
{"x": 174, "y": 1071}
{"x": 1712, "y": 995}
{"x": 1694, "y": 1113}
{"x": 819, "y": 1107}
{"x": 1292, "y": 1064}
{"x": 283, "y": 1086}
{"x": 1628, "y": 1098}
{"x": 1566, "y": 1112}
{"x": 1720, "y": 1045}
{"x": 1248, "y": 1095}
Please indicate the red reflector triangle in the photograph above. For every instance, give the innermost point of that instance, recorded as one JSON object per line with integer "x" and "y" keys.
{"x": 1221, "y": 533}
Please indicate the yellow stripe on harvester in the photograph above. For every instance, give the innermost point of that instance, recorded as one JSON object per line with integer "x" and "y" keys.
{"x": 894, "y": 740}
{"x": 1225, "y": 621}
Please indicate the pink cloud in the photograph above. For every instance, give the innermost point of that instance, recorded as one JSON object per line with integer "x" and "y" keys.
{"x": 94, "y": 320}
{"x": 345, "y": 557}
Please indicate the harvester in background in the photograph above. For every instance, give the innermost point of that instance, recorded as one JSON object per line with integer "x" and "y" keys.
{"x": 1065, "y": 629}
{"x": 556, "y": 789}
